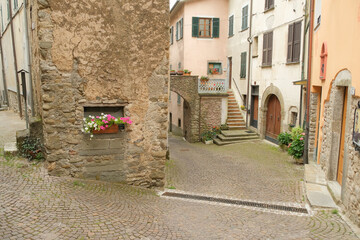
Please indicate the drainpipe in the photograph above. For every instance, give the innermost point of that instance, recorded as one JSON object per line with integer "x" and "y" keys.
{"x": 3, "y": 73}
{"x": 306, "y": 147}
{"x": 249, "y": 67}
{"x": 15, "y": 60}
{"x": 28, "y": 58}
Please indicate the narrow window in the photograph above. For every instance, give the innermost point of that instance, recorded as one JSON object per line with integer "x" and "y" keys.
{"x": 255, "y": 47}
{"x": 2, "y": 22}
{"x": 179, "y": 29}
{"x": 179, "y": 122}
{"x": 171, "y": 35}
{"x": 178, "y": 99}
{"x": 267, "y": 49}
{"x": 269, "y": 4}
{"x": 245, "y": 14}
{"x": 243, "y": 65}
{"x": 294, "y": 42}
{"x": 231, "y": 26}
{"x": 15, "y": 4}
{"x": 8, "y": 10}
{"x": 214, "y": 68}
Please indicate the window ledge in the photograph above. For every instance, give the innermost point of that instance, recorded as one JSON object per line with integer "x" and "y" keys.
{"x": 292, "y": 63}
{"x": 266, "y": 66}
{"x": 269, "y": 9}
{"x": 255, "y": 56}
{"x": 243, "y": 30}
{"x": 231, "y": 36}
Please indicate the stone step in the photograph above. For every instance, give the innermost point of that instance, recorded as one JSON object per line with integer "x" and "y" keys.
{"x": 231, "y": 139}
{"x": 241, "y": 124}
{"x": 237, "y": 128}
{"x": 10, "y": 149}
{"x": 236, "y": 120}
{"x": 220, "y": 142}
{"x": 238, "y": 133}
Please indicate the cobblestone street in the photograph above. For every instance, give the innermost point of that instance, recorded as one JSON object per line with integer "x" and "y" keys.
{"x": 36, "y": 206}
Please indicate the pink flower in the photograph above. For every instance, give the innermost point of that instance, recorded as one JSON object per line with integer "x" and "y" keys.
{"x": 103, "y": 121}
{"x": 303, "y": 134}
{"x": 289, "y": 145}
{"x": 97, "y": 117}
{"x": 106, "y": 126}
{"x": 301, "y": 139}
{"x": 113, "y": 118}
{"x": 102, "y": 128}
{"x": 129, "y": 122}
{"x": 92, "y": 120}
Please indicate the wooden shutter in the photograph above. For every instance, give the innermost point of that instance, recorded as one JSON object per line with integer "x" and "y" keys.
{"x": 231, "y": 26}
{"x": 177, "y": 30}
{"x": 245, "y": 17}
{"x": 216, "y": 27}
{"x": 195, "y": 26}
{"x": 265, "y": 44}
{"x": 270, "y": 4}
{"x": 270, "y": 48}
{"x": 181, "y": 28}
{"x": 243, "y": 65}
{"x": 290, "y": 43}
{"x": 297, "y": 42}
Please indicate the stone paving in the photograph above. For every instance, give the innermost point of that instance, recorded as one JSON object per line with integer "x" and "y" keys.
{"x": 252, "y": 170}
{"x": 36, "y": 206}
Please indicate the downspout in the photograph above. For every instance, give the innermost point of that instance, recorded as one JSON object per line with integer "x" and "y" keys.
{"x": 249, "y": 67}
{"x": 28, "y": 56}
{"x": 15, "y": 60}
{"x": 3, "y": 72}
{"x": 306, "y": 147}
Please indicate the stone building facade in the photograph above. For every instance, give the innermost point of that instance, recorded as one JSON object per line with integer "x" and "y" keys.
{"x": 103, "y": 56}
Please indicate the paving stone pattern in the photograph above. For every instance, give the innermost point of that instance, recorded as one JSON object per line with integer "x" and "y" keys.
{"x": 252, "y": 170}
{"x": 34, "y": 205}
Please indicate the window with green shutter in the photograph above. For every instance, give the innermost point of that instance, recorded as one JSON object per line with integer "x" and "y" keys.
{"x": 231, "y": 26}
{"x": 8, "y": 10}
{"x": 243, "y": 65}
{"x": 177, "y": 31}
{"x": 216, "y": 27}
{"x": 205, "y": 27}
{"x": 244, "y": 18}
{"x": 267, "y": 49}
{"x": 195, "y": 26}
{"x": 171, "y": 35}
{"x": 294, "y": 43}
{"x": 15, "y": 4}
{"x": 181, "y": 22}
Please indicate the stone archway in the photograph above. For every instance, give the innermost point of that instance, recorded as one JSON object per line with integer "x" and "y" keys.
{"x": 187, "y": 88}
{"x": 270, "y": 91}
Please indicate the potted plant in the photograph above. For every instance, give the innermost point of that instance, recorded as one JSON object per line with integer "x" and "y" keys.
{"x": 296, "y": 147}
{"x": 172, "y": 72}
{"x": 208, "y": 135}
{"x": 284, "y": 140}
{"x": 187, "y": 72}
{"x": 180, "y": 72}
{"x": 243, "y": 107}
{"x": 105, "y": 123}
{"x": 204, "y": 79}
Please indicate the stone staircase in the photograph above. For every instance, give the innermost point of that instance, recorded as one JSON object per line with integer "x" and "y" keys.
{"x": 237, "y": 127}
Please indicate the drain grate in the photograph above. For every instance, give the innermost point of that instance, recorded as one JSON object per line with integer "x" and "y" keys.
{"x": 237, "y": 202}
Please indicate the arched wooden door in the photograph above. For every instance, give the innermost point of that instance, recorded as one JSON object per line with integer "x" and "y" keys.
{"x": 273, "y": 118}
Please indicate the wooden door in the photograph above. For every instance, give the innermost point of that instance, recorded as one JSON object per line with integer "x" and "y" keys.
{"x": 342, "y": 142}
{"x": 273, "y": 118}
{"x": 254, "y": 111}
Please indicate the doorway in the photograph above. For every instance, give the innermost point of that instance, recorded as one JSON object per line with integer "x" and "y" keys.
{"x": 254, "y": 116}
{"x": 342, "y": 140}
{"x": 273, "y": 119}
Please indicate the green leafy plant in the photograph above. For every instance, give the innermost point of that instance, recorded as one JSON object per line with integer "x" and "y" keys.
{"x": 224, "y": 127}
{"x": 284, "y": 138}
{"x": 187, "y": 71}
{"x": 243, "y": 107}
{"x": 32, "y": 149}
{"x": 204, "y": 78}
{"x": 296, "y": 147}
{"x": 208, "y": 135}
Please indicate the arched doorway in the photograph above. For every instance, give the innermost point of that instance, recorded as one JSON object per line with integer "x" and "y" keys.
{"x": 273, "y": 118}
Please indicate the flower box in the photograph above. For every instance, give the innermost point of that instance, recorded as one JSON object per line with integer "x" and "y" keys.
{"x": 112, "y": 129}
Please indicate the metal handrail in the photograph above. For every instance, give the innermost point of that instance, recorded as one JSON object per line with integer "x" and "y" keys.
{"x": 241, "y": 96}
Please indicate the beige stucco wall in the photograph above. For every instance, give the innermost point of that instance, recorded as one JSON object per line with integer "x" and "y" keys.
{"x": 195, "y": 53}
{"x": 280, "y": 75}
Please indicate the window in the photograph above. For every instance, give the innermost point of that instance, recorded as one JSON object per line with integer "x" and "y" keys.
{"x": 267, "y": 49}
{"x": 323, "y": 61}
{"x": 179, "y": 29}
{"x": 214, "y": 68}
{"x": 171, "y": 35}
{"x": 294, "y": 42}
{"x": 205, "y": 27}
{"x": 179, "y": 122}
{"x": 255, "y": 47}
{"x": 178, "y": 99}
{"x": 2, "y": 21}
{"x": 8, "y": 10}
{"x": 15, "y": 4}
{"x": 231, "y": 26}
{"x": 243, "y": 65}
{"x": 179, "y": 66}
{"x": 317, "y": 14}
{"x": 269, "y": 4}
{"x": 245, "y": 13}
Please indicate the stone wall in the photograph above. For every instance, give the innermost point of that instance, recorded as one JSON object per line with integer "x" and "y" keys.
{"x": 312, "y": 124}
{"x": 103, "y": 53}
{"x": 210, "y": 111}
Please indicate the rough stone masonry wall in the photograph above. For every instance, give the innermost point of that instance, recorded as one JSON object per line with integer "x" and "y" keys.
{"x": 312, "y": 124}
{"x": 351, "y": 199}
{"x": 210, "y": 112}
{"x": 103, "y": 53}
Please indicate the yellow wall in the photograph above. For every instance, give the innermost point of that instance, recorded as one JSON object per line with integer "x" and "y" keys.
{"x": 340, "y": 29}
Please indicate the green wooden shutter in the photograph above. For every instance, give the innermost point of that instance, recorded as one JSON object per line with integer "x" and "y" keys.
{"x": 265, "y": 44}
{"x": 270, "y": 47}
{"x": 8, "y": 10}
{"x": 231, "y": 26}
{"x": 243, "y": 65}
{"x": 245, "y": 15}
{"x": 216, "y": 27}
{"x": 181, "y": 28}
{"x": 195, "y": 26}
{"x": 177, "y": 30}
